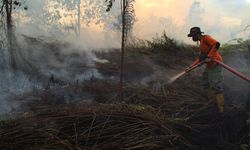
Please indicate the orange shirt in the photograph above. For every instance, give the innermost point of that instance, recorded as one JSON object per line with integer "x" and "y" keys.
{"x": 208, "y": 47}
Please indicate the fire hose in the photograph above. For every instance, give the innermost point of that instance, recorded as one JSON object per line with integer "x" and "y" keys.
{"x": 242, "y": 76}
{"x": 232, "y": 70}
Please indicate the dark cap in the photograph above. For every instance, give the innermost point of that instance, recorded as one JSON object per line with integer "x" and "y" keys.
{"x": 194, "y": 31}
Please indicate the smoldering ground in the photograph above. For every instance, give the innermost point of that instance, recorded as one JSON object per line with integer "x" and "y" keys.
{"x": 71, "y": 74}
{"x": 56, "y": 64}
{"x": 38, "y": 30}
{"x": 65, "y": 63}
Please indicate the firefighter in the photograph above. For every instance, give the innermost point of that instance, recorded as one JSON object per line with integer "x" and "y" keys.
{"x": 212, "y": 76}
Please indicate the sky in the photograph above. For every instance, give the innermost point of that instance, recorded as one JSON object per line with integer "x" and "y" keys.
{"x": 222, "y": 19}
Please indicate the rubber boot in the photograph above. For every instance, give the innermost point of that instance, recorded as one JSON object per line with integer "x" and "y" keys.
{"x": 210, "y": 95}
{"x": 220, "y": 102}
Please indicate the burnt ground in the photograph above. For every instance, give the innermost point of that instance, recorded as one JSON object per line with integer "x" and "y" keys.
{"x": 237, "y": 90}
{"x": 74, "y": 112}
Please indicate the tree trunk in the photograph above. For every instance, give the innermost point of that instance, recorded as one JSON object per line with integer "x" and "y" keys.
{"x": 122, "y": 48}
{"x": 10, "y": 34}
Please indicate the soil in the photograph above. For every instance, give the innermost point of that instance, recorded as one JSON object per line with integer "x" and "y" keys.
{"x": 88, "y": 113}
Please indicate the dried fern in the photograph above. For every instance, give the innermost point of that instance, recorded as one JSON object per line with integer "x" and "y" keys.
{"x": 110, "y": 4}
{"x": 130, "y": 16}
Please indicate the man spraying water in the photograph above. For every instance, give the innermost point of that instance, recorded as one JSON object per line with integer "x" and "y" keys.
{"x": 212, "y": 76}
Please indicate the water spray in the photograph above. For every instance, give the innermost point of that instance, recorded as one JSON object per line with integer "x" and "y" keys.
{"x": 185, "y": 72}
{"x": 176, "y": 77}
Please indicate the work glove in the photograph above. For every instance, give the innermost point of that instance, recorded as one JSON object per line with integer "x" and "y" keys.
{"x": 202, "y": 57}
{"x": 207, "y": 60}
{"x": 188, "y": 69}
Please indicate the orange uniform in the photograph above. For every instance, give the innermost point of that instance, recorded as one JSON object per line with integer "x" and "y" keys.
{"x": 208, "y": 48}
{"x": 212, "y": 75}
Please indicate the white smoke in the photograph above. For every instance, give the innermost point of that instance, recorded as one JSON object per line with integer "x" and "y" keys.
{"x": 48, "y": 20}
{"x": 12, "y": 83}
{"x": 223, "y": 19}
{"x": 58, "y": 19}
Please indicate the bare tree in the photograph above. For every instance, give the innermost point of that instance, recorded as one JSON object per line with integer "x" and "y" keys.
{"x": 127, "y": 22}
{"x": 16, "y": 58}
{"x": 6, "y": 12}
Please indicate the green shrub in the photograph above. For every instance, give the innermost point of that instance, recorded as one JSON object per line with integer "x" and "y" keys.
{"x": 160, "y": 45}
{"x": 163, "y": 43}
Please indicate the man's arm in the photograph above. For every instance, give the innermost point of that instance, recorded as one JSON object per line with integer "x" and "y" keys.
{"x": 213, "y": 50}
{"x": 215, "y": 45}
{"x": 197, "y": 61}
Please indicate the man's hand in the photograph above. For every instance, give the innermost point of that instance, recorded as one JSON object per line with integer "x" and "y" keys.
{"x": 208, "y": 60}
{"x": 188, "y": 69}
{"x": 202, "y": 57}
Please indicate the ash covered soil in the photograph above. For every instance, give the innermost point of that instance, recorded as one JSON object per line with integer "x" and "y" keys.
{"x": 78, "y": 106}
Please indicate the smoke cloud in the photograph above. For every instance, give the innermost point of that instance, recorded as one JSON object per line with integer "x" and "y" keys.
{"x": 223, "y": 19}
{"x": 57, "y": 20}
